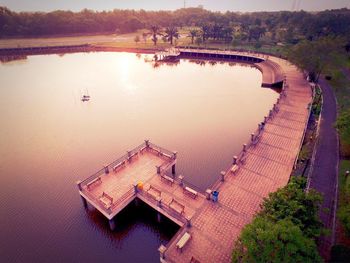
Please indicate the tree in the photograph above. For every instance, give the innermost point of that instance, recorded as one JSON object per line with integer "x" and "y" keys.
{"x": 284, "y": 230}
{"x": 293, "y": 203}
{"x": 155, "y": 32}
{"x": 144, "y": 36}
{"x": 171, "y": 33}
{"x": 192, "y": 34}
{"x": 281, "y": 241}
{"x": 317, "y": 56}
{"x": 137, "y": 39}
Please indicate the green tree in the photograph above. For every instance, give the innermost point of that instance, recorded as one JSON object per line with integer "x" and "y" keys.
{"x": 171, "y": 32}
{"x": 296, "y": 205}
{"x": 318, "y": 56}
{"x": 155, "y": 32}
{"x": 267, "y": 241}
{"x": 137, "y": 39}
{"x": 192, "y": 34}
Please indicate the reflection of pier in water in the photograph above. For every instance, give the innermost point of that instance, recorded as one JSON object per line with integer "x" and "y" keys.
{"x": 209, "y": 226}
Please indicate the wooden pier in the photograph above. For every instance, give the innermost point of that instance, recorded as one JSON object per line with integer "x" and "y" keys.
{"x": 209, "y": 223}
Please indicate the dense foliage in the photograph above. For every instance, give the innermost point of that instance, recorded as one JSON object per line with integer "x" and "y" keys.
{"x": 284, "y": 230}
{"x": 283, "y": 26}
{"x": 318, "y": 57}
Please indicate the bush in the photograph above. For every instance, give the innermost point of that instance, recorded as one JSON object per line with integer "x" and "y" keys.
{"x": 267, "y": 241}
{"x": 285, "y": 229}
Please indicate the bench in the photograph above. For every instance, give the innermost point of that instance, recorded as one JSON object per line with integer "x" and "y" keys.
{"x": 135, "y": 154}
{"x": 154, "y": 192}
{"x": 143, "y": 149}
{"x": 93, "y": 183}
{"x": 183, "y": 241}
{"x": 116, "y": 167}
{"x": 191, "y": 192}
{"x": 106, "y": 200}
{"x": 243, "y": 158}
{"x": 167, "y": 179}
{"x": 194, "y": 260}
{"x": 176, "y": 206}
{"x": 167, "y": 155}
{"x": 234, "y": 168}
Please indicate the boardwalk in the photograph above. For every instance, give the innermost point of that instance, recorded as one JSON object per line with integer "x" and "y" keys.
{"x": 208, "y": 230}
{"x": 266, "y": 166}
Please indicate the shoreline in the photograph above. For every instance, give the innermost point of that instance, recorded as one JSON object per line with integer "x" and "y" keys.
{"x": 47, "y": 50}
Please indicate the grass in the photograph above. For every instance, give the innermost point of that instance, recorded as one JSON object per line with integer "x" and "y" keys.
{"x": 344, "y": 196}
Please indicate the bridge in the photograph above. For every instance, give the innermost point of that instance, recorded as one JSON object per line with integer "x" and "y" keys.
{"x": 210, "y": 224}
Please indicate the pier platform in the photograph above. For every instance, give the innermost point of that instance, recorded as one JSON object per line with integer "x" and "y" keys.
{"x": 211, "y": 221}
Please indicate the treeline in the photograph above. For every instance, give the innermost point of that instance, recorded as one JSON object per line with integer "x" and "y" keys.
{"x": 280, "y": 26}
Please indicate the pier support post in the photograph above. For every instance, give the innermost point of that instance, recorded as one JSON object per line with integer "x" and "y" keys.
{"x": 111, "y": 224}
{"x": 234, "y": 160}
{"x": 147, "y": 143}
{"x": 181, "y": 179}
{"x": 158, "y": 169}
{"x": 208, "y": 194}
{"x": 252, "y": 137}
{"x": 106, "y": 169}
{"x": 159, "y": 217}
{"x": 188, "y": 221}
{"x": 162, "y": 250}
{"x": 173, "y": 169}
{"x": 223, "y": 173}
{"x": 82, "y": 198}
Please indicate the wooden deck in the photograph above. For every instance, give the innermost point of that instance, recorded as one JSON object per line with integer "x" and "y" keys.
{"x": 264, "y": 165}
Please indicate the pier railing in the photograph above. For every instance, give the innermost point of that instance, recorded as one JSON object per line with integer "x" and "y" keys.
{"x": 127, "y": 156}
{"x": 240, "y": 159}
{"x": 163, "y": 206}
{"x": 127, "y": 195}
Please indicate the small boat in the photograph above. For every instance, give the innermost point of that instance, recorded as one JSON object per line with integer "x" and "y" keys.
{"x": 85, "y": 98}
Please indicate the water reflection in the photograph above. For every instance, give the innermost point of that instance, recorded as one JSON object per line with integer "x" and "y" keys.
{"x": 49, "y": 139}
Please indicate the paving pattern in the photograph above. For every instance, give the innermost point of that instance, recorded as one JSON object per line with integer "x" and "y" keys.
{"x": 267, "y": 167}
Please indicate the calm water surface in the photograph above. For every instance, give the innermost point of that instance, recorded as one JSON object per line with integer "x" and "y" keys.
{"x": 49, "y": 139}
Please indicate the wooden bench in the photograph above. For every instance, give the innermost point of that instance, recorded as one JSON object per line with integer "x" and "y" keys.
{"x": 119, "y": 165}
{"x": 191, "y": 192}
{"x": 143, "y": 149}
{"x": 135, "y": 154}
{"x": 176, "y": 206}
{"x": 106, "y": 200}
{"x": 234, "y": 168}
{"x": 167, "y": 179}
{"x": 97, "y": 181}
{"x": 154, "y": 192}
{"x": 243, "y": 158}
{"x": 183, "y": 241}
{"x": 167, "y": 155}
{"x": 194, "y": 260}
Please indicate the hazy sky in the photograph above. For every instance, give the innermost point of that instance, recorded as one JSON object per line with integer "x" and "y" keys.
{"x": 217, "y": 5}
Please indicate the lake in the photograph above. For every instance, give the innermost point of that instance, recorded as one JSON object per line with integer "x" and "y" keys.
{"x": 49, "y": 139}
